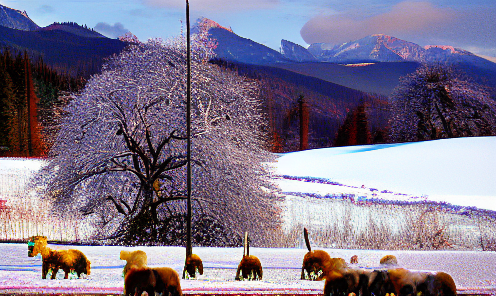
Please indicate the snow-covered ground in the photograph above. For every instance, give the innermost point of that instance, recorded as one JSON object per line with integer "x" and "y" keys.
{"x": 458, "y": 171}
{"x": 472, "y": 271}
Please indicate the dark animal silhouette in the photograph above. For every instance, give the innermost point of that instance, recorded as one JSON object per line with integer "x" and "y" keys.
{"x": 250, "y": 266}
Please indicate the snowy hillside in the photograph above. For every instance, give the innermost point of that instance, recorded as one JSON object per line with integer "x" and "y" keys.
{"x": 458, "y": 171}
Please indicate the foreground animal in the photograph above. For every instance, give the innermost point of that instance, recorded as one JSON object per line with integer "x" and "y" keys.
{"x": 67, "y": 260}
{"x": 379, "y": 283}
{"x": 134, "y": 259}
{"x": 250, "y": 266}
{"x": 440, "y": 284}
{"x": 408, "y": 283}
{"x": 162, "y": 280}
{"x": 405, "y": 282}
{"x": 346, "y": 281}
{"x": 317, "y": 263}
{"x": 192, "y": 264}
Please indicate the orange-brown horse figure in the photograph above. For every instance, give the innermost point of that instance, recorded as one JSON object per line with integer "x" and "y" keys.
{"x": 134, "y": 259}
{"x": 162, "y": 280}
{"x": 67, "y": 260}
{"x": 250, "y": 266}
{"x": 354, "y": 259}
{"x": 317, "y": 263}
{"x": 408, "y": 282}
{"x": 192, "y": 264}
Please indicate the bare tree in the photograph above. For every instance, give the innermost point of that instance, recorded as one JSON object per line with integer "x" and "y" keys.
{"x": 120, "y": 153}
{"x": 435, "y": 102}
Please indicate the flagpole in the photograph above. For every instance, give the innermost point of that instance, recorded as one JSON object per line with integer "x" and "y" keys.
{"x": 189, "y": 250}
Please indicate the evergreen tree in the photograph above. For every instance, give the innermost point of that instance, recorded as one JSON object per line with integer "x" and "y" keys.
{"x": 355, "y": 129}
{"x": 6, "y": 109}
{"x": 34, "y": 143}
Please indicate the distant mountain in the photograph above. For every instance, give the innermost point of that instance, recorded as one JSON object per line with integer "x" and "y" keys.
{"x": 296, "y": 52}
{"x": 374, "y": 48}
{"x": 375, "y": 63}
{"x": 234, "y": 48}
{"x": 73, "y": 28}
{"x": 384, "y": 48}
{"x": 63, "y": 51}
{"x": 66, "y": 47}
{"x": 204, "y": 25}
{"x": 378, "y": 78}
{"x": 16, "y": 19}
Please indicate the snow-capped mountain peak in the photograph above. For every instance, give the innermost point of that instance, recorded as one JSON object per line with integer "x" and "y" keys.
{"x": 451, "y": 49}
{"x": 385, "y": 48}
{"x": 296, "y": 52}
{"x": 204, "y": 25}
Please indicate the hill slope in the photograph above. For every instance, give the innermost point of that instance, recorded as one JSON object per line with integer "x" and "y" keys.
{"x": 73, "y": 28}
{"x": 62, "y": 50}
{"x": 379, "y": 78}
{"x": 16, "y": 19}
{"x": 457, "y": 171}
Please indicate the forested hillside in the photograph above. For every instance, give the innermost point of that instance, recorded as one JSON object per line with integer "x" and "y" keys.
{"x": 299, "y": 106}
{"x": 30, "y": 93}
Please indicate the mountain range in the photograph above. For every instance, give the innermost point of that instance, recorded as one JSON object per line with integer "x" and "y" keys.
{"x": 66, "y": 47}
{"x": 333, "y": 79}
{"x": 371, "y": 64}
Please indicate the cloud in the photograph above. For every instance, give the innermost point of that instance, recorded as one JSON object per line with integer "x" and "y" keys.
{"x": 215, "y": 5}
{"x": 45, "y": 9}
{"x": 404, "y": 18}
{"x": 112, "y": 31}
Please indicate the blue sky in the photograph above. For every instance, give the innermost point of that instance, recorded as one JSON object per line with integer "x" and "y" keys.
{"x": 470, "y": 24}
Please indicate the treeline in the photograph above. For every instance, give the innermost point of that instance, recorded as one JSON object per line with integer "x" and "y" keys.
{"x": 30, "y": 93}
{"x": 73, "y": 24}
{"x": 289, "y": 97}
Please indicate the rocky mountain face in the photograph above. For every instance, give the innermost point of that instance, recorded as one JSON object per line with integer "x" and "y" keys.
{"x": 234, "y": 48}
{"x": 296, "y": 52}
{"x": 204, "y": 25}
{"x": 384, "y": 48}
{"x": 16, "y": 19}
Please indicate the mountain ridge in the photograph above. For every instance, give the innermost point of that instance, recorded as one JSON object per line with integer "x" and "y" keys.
{"x": 73, "y": 28}
{"x": 16, "y": 19}
{"x": 385, "y": 48}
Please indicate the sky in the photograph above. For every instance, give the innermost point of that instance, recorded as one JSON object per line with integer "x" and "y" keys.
{"x": 468, "y": 24}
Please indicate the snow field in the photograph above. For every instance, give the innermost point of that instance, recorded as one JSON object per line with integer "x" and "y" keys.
{"x": 472, "y": 271}
{"x": 459, "y": 171}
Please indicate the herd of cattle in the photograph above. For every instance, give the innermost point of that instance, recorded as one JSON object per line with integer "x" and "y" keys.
{"x": 340, "y": 279}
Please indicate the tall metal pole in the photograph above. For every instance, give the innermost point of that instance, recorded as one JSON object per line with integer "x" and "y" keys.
{"x": 189, "y": 250}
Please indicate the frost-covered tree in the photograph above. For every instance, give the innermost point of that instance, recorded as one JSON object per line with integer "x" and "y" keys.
{"x": 120, "y": 155}
{"x": 435, "y": 102}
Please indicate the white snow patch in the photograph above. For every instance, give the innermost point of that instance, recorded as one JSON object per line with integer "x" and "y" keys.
{"x": 458, "y": 171}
